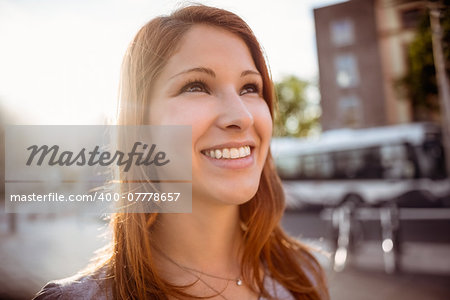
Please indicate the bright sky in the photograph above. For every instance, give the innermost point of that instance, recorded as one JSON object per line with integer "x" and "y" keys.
{"x": 60, "y": 60}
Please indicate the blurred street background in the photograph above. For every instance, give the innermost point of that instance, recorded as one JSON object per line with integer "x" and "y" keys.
{"x": 361, "y": 140}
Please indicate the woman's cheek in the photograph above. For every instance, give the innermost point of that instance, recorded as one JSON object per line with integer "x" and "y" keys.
{"x": 264, "y": 120}
{"x": 263, "y": 124}
{"x": 179, "y": 112}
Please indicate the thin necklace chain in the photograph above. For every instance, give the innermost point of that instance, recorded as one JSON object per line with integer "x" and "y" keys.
{"x": 238, "y": 281}
{"x": 212, "y": 288}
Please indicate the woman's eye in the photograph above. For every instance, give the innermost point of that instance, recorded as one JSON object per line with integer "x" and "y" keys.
{"x": 250, "y": 88}
{"x": 195, "y": 87}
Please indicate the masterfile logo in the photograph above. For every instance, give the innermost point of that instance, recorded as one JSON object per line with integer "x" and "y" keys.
{"x": 93, "y": 157}
{"x": 98, "y": 169}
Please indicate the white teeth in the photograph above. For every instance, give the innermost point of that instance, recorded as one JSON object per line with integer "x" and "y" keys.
{"x": 229, "y": 153}
{"x": 234, "y": 153}
{"x": 242, "y": 151}
{"x": 225, "y": 153}
{"x": 218, "y": 153}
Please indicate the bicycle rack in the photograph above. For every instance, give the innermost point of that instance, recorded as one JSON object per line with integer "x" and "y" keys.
{"x": 389, "y": 216}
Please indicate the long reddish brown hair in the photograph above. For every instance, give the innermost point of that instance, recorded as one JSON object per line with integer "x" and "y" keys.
{"x": 131, "y": 258}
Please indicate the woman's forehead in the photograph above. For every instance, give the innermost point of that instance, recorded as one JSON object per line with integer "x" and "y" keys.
{"x": 210, "y": 47}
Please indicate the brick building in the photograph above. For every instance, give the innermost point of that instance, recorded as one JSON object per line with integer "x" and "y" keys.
{"x": 362, "y": 50}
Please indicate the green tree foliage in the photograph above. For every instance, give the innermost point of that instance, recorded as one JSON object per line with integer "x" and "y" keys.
{"x": 420, "y": 82}
{"x": 296, "y": 116}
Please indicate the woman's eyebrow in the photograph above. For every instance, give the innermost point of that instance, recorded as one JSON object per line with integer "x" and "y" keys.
{"x": 197, "y": 69}
{"x": 250, "y": 72}
{"x": 211, "y": 73}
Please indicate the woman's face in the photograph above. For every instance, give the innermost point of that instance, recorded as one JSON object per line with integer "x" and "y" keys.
{"x": 212, "y": 84}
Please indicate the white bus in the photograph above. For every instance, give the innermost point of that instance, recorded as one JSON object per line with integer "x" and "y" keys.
{"x": 402, "y": 163}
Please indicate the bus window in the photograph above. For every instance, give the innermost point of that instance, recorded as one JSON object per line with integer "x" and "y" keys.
{"x": 396, "y": 162}
{"x": 357, "y": 164}
{"x": 431, "y": 160}
{"x": 372, "y": 164}
{"x": 340, "y": 162}
{"x": 309, "y": 166}
{"x": 325, "y": 167}
{"x": 348, "y": 163}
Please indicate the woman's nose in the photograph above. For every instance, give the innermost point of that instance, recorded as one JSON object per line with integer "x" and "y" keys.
{"x": 234, "y": 112}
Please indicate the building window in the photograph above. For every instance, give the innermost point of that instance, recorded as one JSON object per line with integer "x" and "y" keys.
{"x": 346, "y": 71}
{"x": 350, "y": 111}
{"x": 342, "y": 32}
{"x": 411, "y": 17}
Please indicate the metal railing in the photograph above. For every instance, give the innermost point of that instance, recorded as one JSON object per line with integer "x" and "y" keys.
{"x": 343, "y": 220}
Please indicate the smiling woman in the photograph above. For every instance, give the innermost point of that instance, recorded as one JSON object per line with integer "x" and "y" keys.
{"x": 211, "y": 83}
{"x": 203, "y": 67}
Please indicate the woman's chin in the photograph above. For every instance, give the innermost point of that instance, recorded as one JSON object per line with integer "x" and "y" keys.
{"x": 226, "y": 197}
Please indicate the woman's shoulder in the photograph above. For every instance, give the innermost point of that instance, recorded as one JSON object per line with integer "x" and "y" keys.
{"x": 86, "y": 286}
{"x": 276, "y": 290}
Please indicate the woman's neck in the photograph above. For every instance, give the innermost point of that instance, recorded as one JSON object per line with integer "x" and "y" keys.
{"x": 208, "y": 239}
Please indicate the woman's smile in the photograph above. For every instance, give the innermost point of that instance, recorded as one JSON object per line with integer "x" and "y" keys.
{"x": 230, "y": 158}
